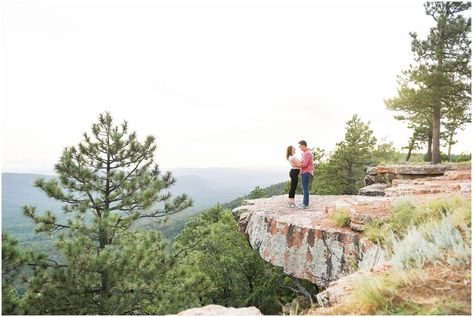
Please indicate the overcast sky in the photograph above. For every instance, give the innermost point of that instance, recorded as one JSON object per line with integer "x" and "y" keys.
{"x": 218, "y": 83}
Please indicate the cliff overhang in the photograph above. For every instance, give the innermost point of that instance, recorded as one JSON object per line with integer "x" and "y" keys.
{"x": 307, "y": 244}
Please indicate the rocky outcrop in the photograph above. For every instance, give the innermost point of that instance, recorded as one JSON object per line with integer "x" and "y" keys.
{"x": 307, "y": 244}
{"x": 396, "y": 180}
{"x": 221, "y": 311}
{"x": 373, "y": 190}
{"x": 458, "y": 181}
{"x": 337, "y": 291}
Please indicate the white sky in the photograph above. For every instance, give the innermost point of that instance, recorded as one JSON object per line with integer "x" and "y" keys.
{"x": 218, "y": 83}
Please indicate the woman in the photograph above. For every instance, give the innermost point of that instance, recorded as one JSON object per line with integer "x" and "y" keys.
{"x": 294, "y": 174}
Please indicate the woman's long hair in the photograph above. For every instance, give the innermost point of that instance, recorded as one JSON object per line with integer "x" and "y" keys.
{"x": 289, "y": 151}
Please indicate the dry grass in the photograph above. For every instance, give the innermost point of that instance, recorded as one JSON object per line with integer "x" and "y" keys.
{"x": 435, "y": 290}
{"x": 341, "y": 217}
{"x": 430, "y": 252}
{"x": 406, "y": 214}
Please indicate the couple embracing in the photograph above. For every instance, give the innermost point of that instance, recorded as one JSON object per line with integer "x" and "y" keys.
{"x": 304, "y": 166}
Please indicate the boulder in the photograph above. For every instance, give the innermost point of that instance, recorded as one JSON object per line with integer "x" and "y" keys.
{"x": 373, "y": 190}
{"x": 221, "y": 310}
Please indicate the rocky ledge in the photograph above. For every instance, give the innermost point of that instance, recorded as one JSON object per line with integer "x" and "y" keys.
{"x": 395, "y": 180}
{"x": 305, "y": 242}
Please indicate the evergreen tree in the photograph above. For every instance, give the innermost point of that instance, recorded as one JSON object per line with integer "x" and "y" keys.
{"x": 441, "y": 79}
{"x": 385, "y": 153}
{"x": 231, "y": 273}
{"x": 108, "y": 183}
{"x": 344, "y": 172}
{"x": 455, "y": 119}
{"x": 17, "y": 265}
{"x": 256, "y": 193}
{"x": 421, "y": 125}
{"x": 13, "y": 261}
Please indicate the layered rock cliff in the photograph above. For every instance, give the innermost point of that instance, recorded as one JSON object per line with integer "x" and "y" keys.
{"x": 306, "y": 244}
{"x": 395, "y": 180}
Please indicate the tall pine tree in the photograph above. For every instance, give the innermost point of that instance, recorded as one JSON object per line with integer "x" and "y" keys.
{"x": 441, "y": 79}
{"x": 108, "y": 183}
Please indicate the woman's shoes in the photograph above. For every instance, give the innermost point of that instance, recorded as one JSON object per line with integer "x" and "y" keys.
{"x": 293, "y": 205}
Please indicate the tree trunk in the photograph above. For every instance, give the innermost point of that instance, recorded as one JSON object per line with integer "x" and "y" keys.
{"x": 409, "y": 152}
{"x": 428, "y": 155}
{"x": 450, "y": 147}
{"x": 436, "y": 136}
{"x": 104, "y": 237}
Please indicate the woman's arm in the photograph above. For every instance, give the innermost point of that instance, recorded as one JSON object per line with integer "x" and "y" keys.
{"x": 295, "y": 163}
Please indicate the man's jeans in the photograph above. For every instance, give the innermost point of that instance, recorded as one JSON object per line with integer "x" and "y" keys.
{"x": 305, "y": 177}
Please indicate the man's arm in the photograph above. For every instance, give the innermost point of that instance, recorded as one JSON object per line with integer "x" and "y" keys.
{"x": 306, "y": 159}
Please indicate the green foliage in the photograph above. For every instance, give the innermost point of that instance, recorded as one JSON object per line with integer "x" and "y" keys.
{"x": 385, "y": 153}
{"x": 405, "y": 214}
{"x": 13, "y": 260}
{"x": 340, "y": 217}
{"x": 379, "y": 295}
{"x": 437, "y": 89}
{"x": 276, "y": 189}
{"x": 210, "y": 246}
{"x": 17, "y": 265}
{"x": 439, "y": 234}
{"x": 108, "y": 184}
{"x": 344, "y": 171}
{"x": 462, "y": 157}
{"x": 256, "y": 193}
{"x": 139, "y": 270}
{"x": 431, "y": 242}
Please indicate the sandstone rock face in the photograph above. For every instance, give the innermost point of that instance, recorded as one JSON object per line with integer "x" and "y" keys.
{"x": 458, "y": 181}
{"x": 221, "y": 311}
{"x": 307, "y": 244}
{"x": 424, "y": 169}
{"x": 397, "y": 180}
{"x": 304, "y": 241}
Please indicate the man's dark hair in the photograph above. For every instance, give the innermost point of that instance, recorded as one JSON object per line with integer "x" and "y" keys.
{"x": 304, "y": 143}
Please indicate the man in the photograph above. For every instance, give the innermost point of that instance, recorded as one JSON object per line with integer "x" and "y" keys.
{"x": 307, "y": 172}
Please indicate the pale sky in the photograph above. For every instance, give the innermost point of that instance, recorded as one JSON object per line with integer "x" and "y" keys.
{"x": 218, "y": 83}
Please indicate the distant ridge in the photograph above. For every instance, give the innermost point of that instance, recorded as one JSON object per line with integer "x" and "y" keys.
{"x": 206, "y": 186}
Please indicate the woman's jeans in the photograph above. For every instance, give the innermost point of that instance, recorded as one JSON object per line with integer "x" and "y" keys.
{"x": 294, "y": 174}
{"x": 306, "y": 177}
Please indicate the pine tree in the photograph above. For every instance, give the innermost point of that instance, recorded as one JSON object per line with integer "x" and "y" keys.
{"x": 229, "y": 271}
{"x": 442, "y": 77}
{"x": 455, "y": 119}
{"x": 17, "y": 265}
{"x": 13, "y": 260}
{"x": 108, "y": 185}
{"x": 256, "y": 193}
{"x": 344, "y": 172}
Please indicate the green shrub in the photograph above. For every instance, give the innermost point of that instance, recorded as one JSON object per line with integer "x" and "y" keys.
{"x": 341, "y": 218}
